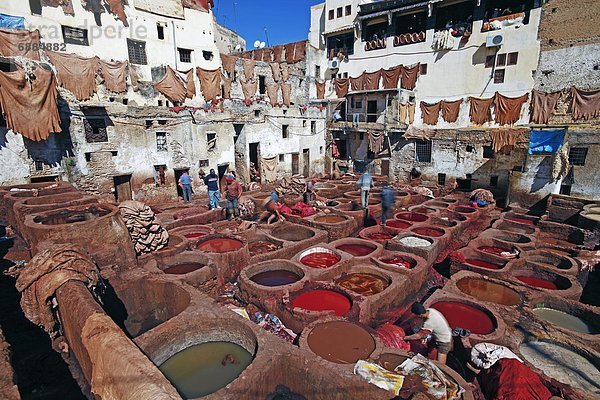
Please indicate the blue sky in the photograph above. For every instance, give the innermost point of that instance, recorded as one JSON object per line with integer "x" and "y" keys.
{"x": 286, "y": 20}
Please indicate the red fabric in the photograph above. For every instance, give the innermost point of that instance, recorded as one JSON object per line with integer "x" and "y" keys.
{"x": 392, "y": 336}
{"x": 283, "y": 209}
{"x": 303, "y": 210}
{"x": 509, "y": 379}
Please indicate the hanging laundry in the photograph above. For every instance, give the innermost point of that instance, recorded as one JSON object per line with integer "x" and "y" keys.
{"x": 172, "y": 87}
{"x": 450, "y": 110}
{"x": 480, "y": 110}
{"x": 376, "y": 140}
{"x": 300, "y": 51}
{"x": 11, "y": 22}
{"x": 409, "y": 77}
{"x": 66, "y": 5}
{"x": 278, "y": 53}
{"x": 286, "y": 93}
{"x": 289, "y": 52}
{"x": 545, "y": 141}
{"x": 210, "y": 82}
{"x": 285, "y": 72}
{"x": 358, "y": 83}
{"x": 372, "y": 80}
{"x": 30, "y": 107}
{"x": 430, "y": 113}
{"x": 115, "y": 75}
{"x": 75, "y": 73}
{"x": 134, "y": 77}
{"x": 443, "y": 40}
{"x": 543, "y": 106}
{"x": 269, "y": 168}
{"x": 276, "y": 70}
{"x": 585, "y": 104}
{"x": 273, "y": 93}
{"x": 116, "y": 8}
{"x": 508, "y": 109}
{"x": 341, "y": 87}
{"x": 268, "y": 55}
{"x": 248, "y": 68}
{"x": 226, "y": 87}
{"x": 320, "y": 90}
{"x": 20, "y": 44}
{"x": 249, "y": 88}
{"x": 228, "y": 64}
{"x": 93, "y": 6}
{"x": 335, "y": 151}
{"x": 391, "y": 77}
{"x": 188, "y": 80}
{"x": 504, "y": 138}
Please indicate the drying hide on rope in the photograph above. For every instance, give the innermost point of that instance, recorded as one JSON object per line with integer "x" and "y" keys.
{"x": 544, "y": 141}
{"x": 391, "y": 77}
{"x": 75, "y": 73}
{"x": 116, "y": 8}
{"x": 480, "y": 110}
{"x": 300, "y": 51}
{"x": 41, "y": 277}
{"x": 285, "y": 72}
{"x": 450, "y": 110}
{"x": 172, "y": 87}
{"x": 228, "y": 62}
{"x": 286, "y": 94}
{"x": 503, "y": 138}
{"x": 249, "y": 88}
{"x": 372, "y": 80}
{"x": 248, "y": 68}
{"x": 20, "y": 44}
{"x": 278, "y": 53}
{"x": 289, "y": 52}
{"x": 508, "y": 109}
{"x": 543, "y": 106}
{"x": 276, "y": 70}
{"x": 226, "y": 87}
{"x": 210, "y": 82}
{"x": 421, "y": 134}
{"x": 134, "y": 77}
{"x": 30, "y": 108}
{"x": 406, "y": 113}
{"x": 376, "y": 140}
{"x": 66, "y": 5}
{"x": 188, "y": 79}
{"x": 320, "y": 90}
{"x": 115, "y": 75}
{"x": 341, "y": 87}
{"x": 430, "y": 113}
{"x": 11, "y": 22}
{"x": 273, "y": 93}
{"x": 358, "y": 83}
{"x": 409, "y": 77}
{"x": 269, "y": 166}
{"x": 585, "y": 104}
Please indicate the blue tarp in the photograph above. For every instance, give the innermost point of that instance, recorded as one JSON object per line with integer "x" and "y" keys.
{"x": 544, "y": 141}
{"x": 10, "y": 22}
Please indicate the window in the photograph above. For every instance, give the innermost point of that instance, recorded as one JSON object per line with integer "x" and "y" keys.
{"x": 373, "y": 31}
{"x": 207, "y": 55}
{"x": 423, "y": 69}
{"x": 39, "y": 165}
{"x": 161, "y": 141}
{"x": 455, "y": 16}
{"x": 185, "y": 55}
{"x": 488, "y": 152}
{"x": 257, "y": 113}
{"x": 499, "y": 76}
{"x": 577, "y": 155}
{"x": 160, "y": 31}
{"x": 470, "y": 148}
{"x": 137, "y": 52}
{"x": 36, "y": 7}
{"x": 88, "y": 157}
{"x": 513, "y": 58}
{"x": 344, "y": 42}
{"x": 339, "y": 12}
{"x": 493, "y": 181}
{"x": 75, "y": 36}
{"x": 318, "y": 71}
{"x": 210, "y": 136}
{"x": 442, "y": 179}
{"x": 262, "y": 85}
{"x": 281, "y": 157}
{"x": 320, "y": 149}
{"x": 501, "y": 60}
{"x": 331, "y": 14}
{"x": 203, "y": 163}
{"x": 95, "y": 130}
{"x": 313, "y": 127}
{"x": 411, "y": 23}
{"x": 423, "y": 151}
{"x": 490, "y": 61}
{"x": 358, "y": 104}
{"x": 348, "y": 10}
{"x": 285, "y": 131}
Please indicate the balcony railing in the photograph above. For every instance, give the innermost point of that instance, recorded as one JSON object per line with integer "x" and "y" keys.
{"x": 375, "y": 44}
{"x": 409, "y": 38}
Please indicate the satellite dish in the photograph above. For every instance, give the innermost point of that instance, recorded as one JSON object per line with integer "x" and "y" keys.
{"x": 257, "y": 44}
{"x": 262, "y": 45}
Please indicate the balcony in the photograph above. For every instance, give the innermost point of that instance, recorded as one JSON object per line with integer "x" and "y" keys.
{"x": 409, "y": 38}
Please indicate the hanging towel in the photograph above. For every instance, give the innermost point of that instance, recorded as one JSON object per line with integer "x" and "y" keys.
{"x": 248, "y": 68}
{"x": 210, "y": 82}
{"x": 450, "y": 110}
{"x": 172, "y": 87}
{"x": 480, "y": 110}
{"x": 273, "y": 92}
{"x": 228, "y": 63}
{"x": 409, "y": 77}
{"x": 285, "y": 72}
{"x": 276, "y": 70}
{"x": 77, "y": 74}
{"x": 585, "y": 104}
{"x": 508, "y": 109}
{"x": 357, "y": 83}
{"x": 341, "y": 87}
{"x": 115, "y": 75}
{"x": 391, "y": 77}
{"x": 30, "y": 108}
{"x": 249, "y": 88}
{"x": 286, "y": 93}
{"x": 376, "y": 140}
{"x": 430, "y": 113}
{"x": 372, "y": 80}
{"x": 543, "y": 106}
{"x": 544, "y": 141}
{"x": 11, "y": 22}
{"x": 20, "y": 44}
{"x": 320, "y": 90}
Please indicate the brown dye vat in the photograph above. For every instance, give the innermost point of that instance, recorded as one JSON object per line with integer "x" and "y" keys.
{"x": 488, "y": 291}
{"x": 357, "y": 250}
{"x": 363, "y": 284}
{"x": 72, "y": 216}
{"x": 295, "y": 233}
{"x": 550, "y": 260}
{"x": 341, "y": 342}
{"x": 429, "y": 232}
{"x": 330, "y": 219}
{"x": 220, "y": 245}
{"x": 464, "y": 210}
{"x": 438, "y": 204}
{"x": 261, "y": 247}
{"x": 497, "y": 251}
{"x": 411, "y": 216}
{"x": 515, "y": 228}
{"x": 391, "y": 361}
{"x": 182, "y": 269}
{"x": 398, "y": 224}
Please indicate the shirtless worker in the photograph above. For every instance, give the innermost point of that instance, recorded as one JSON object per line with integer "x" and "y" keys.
{"x": 436, "y": 325}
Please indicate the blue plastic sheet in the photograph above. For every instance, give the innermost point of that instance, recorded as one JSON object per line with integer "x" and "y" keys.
{"x": 10, "y": 22}
{"x": 545, "y": 141}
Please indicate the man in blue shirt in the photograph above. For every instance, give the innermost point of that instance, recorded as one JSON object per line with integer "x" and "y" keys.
{"x": 388, "y": 198}
{"x": 365, "y": 182}
{"x": 185, "y": 182}
{"x": 212, "y": 182}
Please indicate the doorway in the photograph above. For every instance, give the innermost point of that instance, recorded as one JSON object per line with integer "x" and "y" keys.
{"x": 255, "y": 157}
{"x": 385, "y": 168}
{"x": 295, "y": 163}
{"x": 306, "y": 162}
{"x": 178, "y": 173}
{"x": 372, "y": 111}
{"x": 222, "y": 170}
{"x": 122, "y": 187}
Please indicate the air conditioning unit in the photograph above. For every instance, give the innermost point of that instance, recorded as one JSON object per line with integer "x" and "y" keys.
{"x": 494, "y": 40}
{"x": 334, "y": 64}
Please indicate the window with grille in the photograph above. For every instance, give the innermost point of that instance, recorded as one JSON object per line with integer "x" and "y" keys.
{"x": 348, "y": 10}
{"x": 513, "y": 58}
{"x": 75, "y": 36}
{"x": 423, "y": 151}
{"x": 95, "y": 130}
{"x": 490, "y": 61}
{"x": 339, "y": 12}
{"x": 499, "y": 76}
{"x": 137, "y": 52}
{"x": 331, "y": 14}
{"x": 501, "y": 60}
{"x": 185, "y": 55}
{"x": 39, "y": 165}
{"x": 488, "y": 152}
{"x": 442, "y": 179}
{"x": 203, "y": 163}
{"x": 577, "y": 155}
{"x": 161, "y": 141}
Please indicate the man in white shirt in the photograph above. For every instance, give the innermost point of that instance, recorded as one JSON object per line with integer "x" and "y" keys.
{"x": 436, "y": 325}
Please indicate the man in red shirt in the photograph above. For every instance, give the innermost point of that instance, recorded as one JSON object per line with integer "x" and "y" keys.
{"x": 233, "y": 192}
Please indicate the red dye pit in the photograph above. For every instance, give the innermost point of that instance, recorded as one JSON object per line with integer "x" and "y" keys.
{"x": 275, "y": 278}
{"x": 379, "y": 236}
{"x": 396, "y": 223}
{"x": 194, "y": 235}
{"x": 482, "y": 264}
{"x": 357, "y": 250}
{"x": 521, "y": 220}
{"x": 323, "y": 300}
{"x": 431, "y": 232}
{"x": 222, "y": 245}
{"x": 399, "y": 262}
{"x": 182, "y": 269}
{"x": 497, "y": 251}
{"x": 320, "y": 260}
{"x": 460, "y": 315}
{"x": 538, "y": 282}
{"x": 413, "y": 217}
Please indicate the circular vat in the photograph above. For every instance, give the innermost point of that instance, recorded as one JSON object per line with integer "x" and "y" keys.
{"x": 399, "y": 261}
{"x": 183, "y": 268}
{"x": 194, "y": 232}
{"x": 341, "y": 342}
{"x": 54, "y": 199}
{"x": 550, "y": 259}
{"x": 422, "y": 210}
{"x": 353, "y": 195}
{"x": 498, "y": 251}
{"x": 324, "y": 185}
{"x": 478, "y": 320}
{"x": 437, "y": 204}
{"x": 319, "y": 257}
{"x": 357, "y": 249}
{"x": 429, "y": 231}
{"x": 364, "y": 284}
{"x": 219, "y": 245}
{"x": 378, "y": 233}
{"x": 565, "y": 319}
{"x": 449, "y": 200}
{"x": 542, "y": 279}
{"x": 398, "y": 224}
{"x": 411, "y": 217}
{"x": 515, "y": 228}
{"x": 323, "y": 300}
{"x": 295, "y": 233}
{"x": 274, "y": 273}
{"x": 477, "y": 262}
{"x": 258, "y": 247}
{"x": 73, "y": 215}
{"x": 415, "y": 241}
{"x": 489, "y": 291}
{"x": 464, "y": 210}
{"x": 511, "y": 237}
{"x": 563, "y": 363}
{"x": 330, "y": 219}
